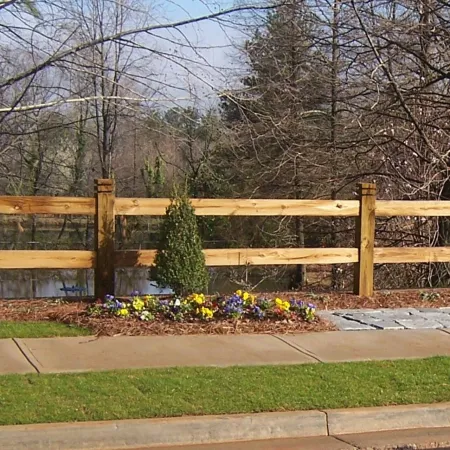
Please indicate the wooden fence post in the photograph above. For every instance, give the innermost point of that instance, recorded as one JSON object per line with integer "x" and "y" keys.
{"x": 365, "y": 240}
{"x": 104, "y": 237}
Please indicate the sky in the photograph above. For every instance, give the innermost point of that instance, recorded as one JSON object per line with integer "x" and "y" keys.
{"x": 190, "y": 64}
{"x": 211, "y": 47}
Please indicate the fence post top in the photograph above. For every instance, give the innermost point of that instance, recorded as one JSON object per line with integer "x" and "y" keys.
{"x": 367, "y": 188}
{"x": 104, "y": 181}
{"x": 104, "y": 185}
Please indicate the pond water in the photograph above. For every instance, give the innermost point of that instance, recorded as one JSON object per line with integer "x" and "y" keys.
{"x": 45, "y": 283}
{"x": 35, "y": 284}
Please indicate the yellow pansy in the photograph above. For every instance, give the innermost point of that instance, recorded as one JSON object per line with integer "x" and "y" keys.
{"x": 239, "y": 292}
{"x": 123, "y": 312}
{"x": 206, "y": 312}
{"x": 249, "y": 299}
{"x": 138, "y": 304}
{"x": 283, "y": 305}
{"x": 198, "y": 298}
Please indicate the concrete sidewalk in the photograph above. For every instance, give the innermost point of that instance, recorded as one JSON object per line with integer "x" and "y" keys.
{"x": 80, "y": 354}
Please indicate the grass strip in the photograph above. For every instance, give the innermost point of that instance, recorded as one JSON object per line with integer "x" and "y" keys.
{"x": 39, "y": 330}
{"x": 149, "y": 393}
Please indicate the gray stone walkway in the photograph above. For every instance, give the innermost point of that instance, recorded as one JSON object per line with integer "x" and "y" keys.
{"x": 389, "y": 319}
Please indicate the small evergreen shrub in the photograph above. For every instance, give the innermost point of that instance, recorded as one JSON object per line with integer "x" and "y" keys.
{"x": 179, "y": 262}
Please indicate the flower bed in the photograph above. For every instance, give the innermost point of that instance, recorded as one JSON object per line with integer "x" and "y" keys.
{"x": 99, "y": 321}
{"x": 197, "y": 307}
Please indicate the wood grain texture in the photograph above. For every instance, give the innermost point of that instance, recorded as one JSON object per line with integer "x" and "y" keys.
{"x": 249, "y": 256}
{"x": 46, "y": 259}
{"x": 365, "y": 240}
{"x": 242, "y": 207}
{"x": 47, "y": 205}
{"x": 395, "y": 255}
{"x": 104, "y": 238}
{"x": 223, "y": 207}
{"x": 425, "y": 208}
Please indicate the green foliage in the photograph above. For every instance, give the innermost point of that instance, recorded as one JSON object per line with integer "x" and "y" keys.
{"x": 179, "y": 261}
{"x": 320, "y": 299}
{"x": 429, "y": 296}
{"x": 153, "y": 176}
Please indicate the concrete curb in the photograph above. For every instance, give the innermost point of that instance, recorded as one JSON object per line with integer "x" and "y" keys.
{"x": 366, "y": 420}
{"x": 128, "y": 434}
{"x": 152, "y": 432}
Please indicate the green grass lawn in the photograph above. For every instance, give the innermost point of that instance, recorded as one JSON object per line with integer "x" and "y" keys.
{"x": 187, "y": 391}
{"x": 39, "y": 329}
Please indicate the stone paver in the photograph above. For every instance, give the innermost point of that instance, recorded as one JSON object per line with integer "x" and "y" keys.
{"x": 387, "y": 325}
{"x": 12, "y": 359}
{"x": 361, "y": 316}
{"x": 349, "y": 325}
{"x": 389, "y": 319}
{"x": 338, "y": 346}
{"x": 419, "y": 324}
{"x": 435, "y": 314}
{"x": 396, "y": 315}
{"x": 108, "y": 353}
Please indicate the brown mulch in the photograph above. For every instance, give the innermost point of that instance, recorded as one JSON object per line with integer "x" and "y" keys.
{"x": 410, "y": 298}
{"x": 112, "y": 326}
{"x": 74, "y": 312}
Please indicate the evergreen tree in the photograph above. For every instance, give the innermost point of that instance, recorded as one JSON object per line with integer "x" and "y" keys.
{"x": 280, "y": 118}
{"x": 179, "y": 262}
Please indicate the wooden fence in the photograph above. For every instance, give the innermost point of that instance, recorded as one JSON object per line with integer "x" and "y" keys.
{"x": 105, "y": 206}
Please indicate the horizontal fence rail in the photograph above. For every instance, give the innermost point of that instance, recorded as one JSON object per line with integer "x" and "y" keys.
{"x": 249, "y": 256}
{"x": 423, "y": 208}
{"x": 47, "y": 205}
{"x": 105, "y": 258}
{"x": 47, "y": 259}
{"x": 394, "y": 255}
{"x": 241, "y": 207}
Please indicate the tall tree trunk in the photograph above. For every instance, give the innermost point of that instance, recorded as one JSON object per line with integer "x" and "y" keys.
{"x": 299, "y": 278}
{"x": 333, "y": 125}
